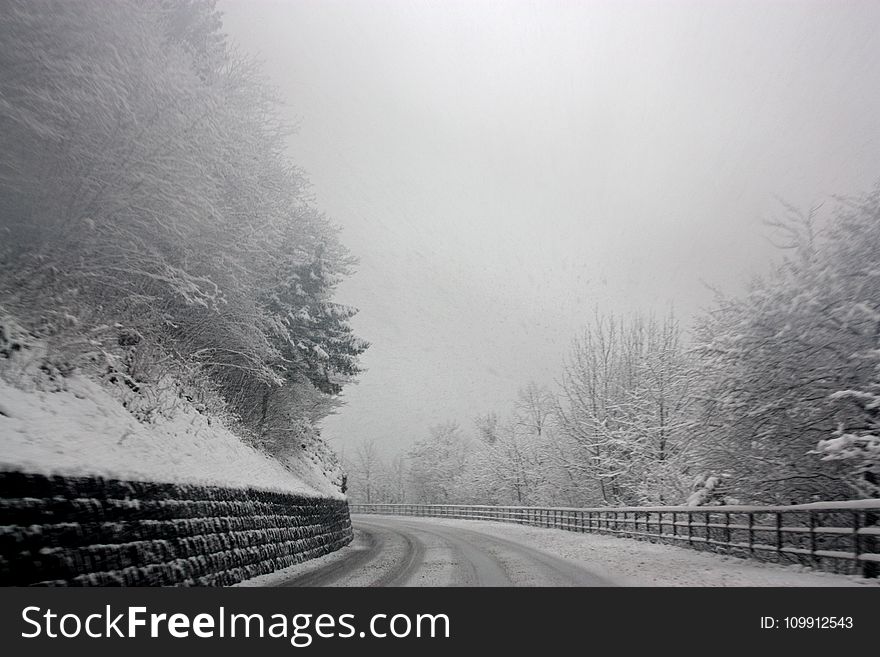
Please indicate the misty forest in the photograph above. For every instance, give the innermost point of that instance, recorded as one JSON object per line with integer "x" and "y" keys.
{"x": 159, "y": 239}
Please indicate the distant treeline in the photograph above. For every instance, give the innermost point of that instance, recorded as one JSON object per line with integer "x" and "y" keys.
{"x": 152, "y": 229}
{"x": 773, "y": 397}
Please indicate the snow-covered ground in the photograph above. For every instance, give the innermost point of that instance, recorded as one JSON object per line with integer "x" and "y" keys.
{"x": 628, "y": 562}
{"x": 84, "y": 430}
{"x": 412, "y": 551}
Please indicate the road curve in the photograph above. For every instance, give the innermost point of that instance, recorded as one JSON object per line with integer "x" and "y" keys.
{"x": 406, "y": 551}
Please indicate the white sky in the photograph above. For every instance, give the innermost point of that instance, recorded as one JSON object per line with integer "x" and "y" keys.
{"x": 503, "y": 168}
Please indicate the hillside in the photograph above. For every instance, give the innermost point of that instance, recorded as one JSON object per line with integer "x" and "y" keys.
{"x": 167, "y": 281}
{"x": 54, "y": 421}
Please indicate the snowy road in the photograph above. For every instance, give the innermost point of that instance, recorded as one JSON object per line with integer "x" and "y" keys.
{"x": 407, "y": 551}
{"x": 394, "y": 551}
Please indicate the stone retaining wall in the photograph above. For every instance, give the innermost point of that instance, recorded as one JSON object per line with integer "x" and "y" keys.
{"x": 89, "y": 531}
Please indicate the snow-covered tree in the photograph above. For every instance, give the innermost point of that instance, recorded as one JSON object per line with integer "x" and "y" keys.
{"x": 503, "y": 467}
{"x": 366, "y": 465}
{"x": 436, "y": 463}
{"x": 625, "y": 409}
{"x": 790, "y": 367}
{"x": 147, "y": 206}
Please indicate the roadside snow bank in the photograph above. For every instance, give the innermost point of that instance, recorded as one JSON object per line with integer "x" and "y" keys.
{"x": 628, "y": 562}
{"x": 83, "y": 430}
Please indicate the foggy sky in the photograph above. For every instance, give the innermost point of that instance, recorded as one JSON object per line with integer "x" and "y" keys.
{"x": 502, "y": 169}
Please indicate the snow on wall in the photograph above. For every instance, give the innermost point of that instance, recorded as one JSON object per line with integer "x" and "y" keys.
{"x": 83, "y": 431}
{"x": 82, "y": 531}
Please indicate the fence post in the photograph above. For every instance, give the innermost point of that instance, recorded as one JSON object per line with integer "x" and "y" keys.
{"x": 751, "y": 533}
{"x": 690, "y": 536}
{"x": 812, "y": 537}
{"x": 708, "y": 517}
{"x": 856, "y": 543}
{"x": 870, "y": 569}
{"x": 674, "y": 523}
{"x": 778, "y": 534}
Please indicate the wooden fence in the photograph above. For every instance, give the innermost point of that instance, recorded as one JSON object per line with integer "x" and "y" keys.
{"x": 835, "y": 536}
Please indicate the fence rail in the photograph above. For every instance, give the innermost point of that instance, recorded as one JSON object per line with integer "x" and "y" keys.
{"x": 836, "y": 536}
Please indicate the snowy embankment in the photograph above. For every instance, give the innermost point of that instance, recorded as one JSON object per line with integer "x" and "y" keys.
{"x": 627, "y": 562}
{"x": 84, "y": 430}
